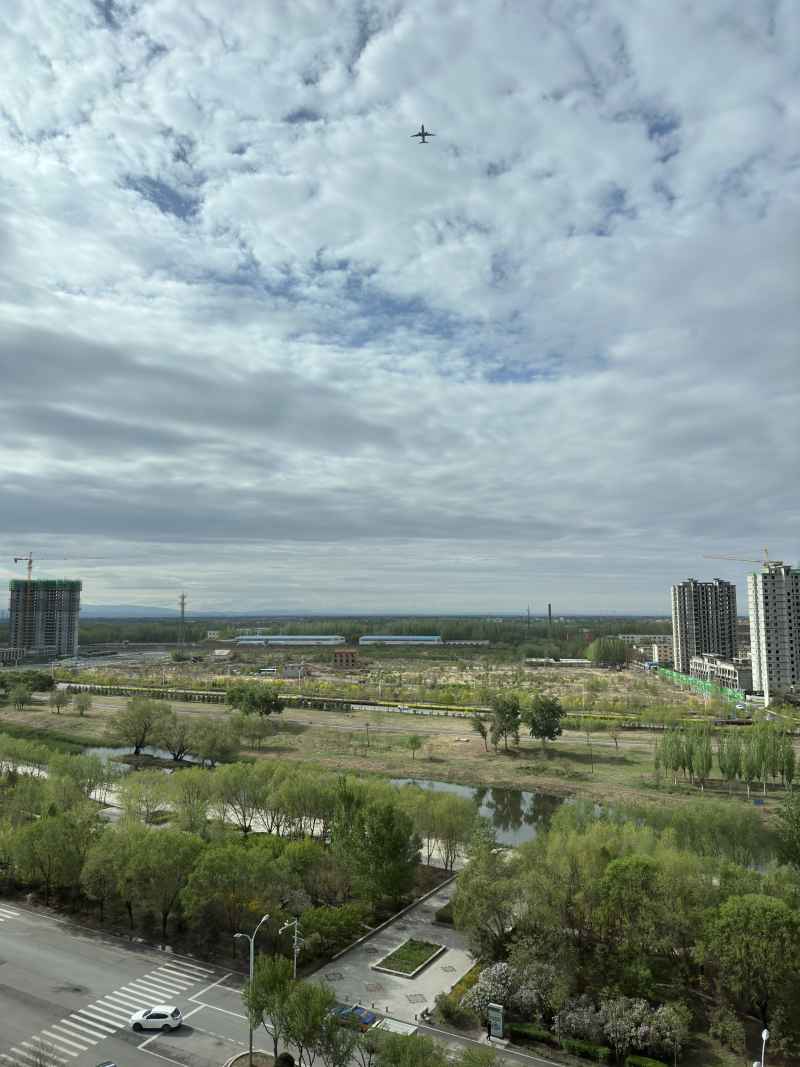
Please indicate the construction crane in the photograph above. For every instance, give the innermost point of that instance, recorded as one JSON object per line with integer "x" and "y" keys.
{"x": 48, "y": 559}
{"x": 738, "y": 559}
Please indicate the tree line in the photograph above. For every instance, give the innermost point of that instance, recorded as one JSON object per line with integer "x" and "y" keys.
{"x": 628, "y": 929}
{"x": 746, "y": 754}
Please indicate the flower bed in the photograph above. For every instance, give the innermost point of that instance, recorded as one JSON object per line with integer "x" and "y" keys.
{"x": 409, "y": 958}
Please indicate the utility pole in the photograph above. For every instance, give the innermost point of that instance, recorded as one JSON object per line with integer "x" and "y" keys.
{"x": 297, "y": 942}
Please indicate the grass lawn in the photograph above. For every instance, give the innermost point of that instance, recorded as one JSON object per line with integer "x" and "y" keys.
{"x": 409, "y": 956}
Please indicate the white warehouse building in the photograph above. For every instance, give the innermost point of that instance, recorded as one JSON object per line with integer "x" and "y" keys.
{"x": 288, "y": 640}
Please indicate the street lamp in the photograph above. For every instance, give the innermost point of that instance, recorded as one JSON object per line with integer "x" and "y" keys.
{"x": 297, "y": 942}
{"x": 251, "y": 938}
{"x": 764, "y": 1037}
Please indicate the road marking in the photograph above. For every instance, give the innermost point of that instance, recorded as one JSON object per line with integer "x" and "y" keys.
{"x": 225, "y": 1011}
{"x": 70, "y": 1036}
{"x": 191, "y": 968}
{"x": 195, "y": 975}
{"x": 142, "y": 989}
{"x": 50, "y": 1055}
{"x": 85, "y": 1032}
{"x": 164, "y": 985}
{"x": 84, "y": 1016}
{"x": 121, "y": 1000}
{"x": 206, "y": 989}
{"x": 60, "y": 1043}
{"x": 162, "y": 975}
{"x": 105, "y": 1010}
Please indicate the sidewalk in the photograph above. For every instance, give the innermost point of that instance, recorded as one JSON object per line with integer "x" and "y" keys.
{"x": 353, "y": 981}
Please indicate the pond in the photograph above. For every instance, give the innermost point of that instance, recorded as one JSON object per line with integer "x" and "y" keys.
{"x": 111, "y": 752}
{"x": 515, "y": 814}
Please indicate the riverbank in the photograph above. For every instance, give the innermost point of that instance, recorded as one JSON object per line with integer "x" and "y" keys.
{"x": 578, "y": 764}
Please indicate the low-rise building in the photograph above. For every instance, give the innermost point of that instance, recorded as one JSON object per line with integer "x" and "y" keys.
{"x": 400, "y": 639}
{"x": 345, "y": 657}
{"x": 723, "y": 672}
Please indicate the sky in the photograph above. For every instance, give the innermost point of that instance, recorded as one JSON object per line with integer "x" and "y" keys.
{"x": 260, "y": 345}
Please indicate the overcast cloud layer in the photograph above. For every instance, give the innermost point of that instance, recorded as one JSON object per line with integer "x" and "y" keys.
{"x": 259, "y": 344}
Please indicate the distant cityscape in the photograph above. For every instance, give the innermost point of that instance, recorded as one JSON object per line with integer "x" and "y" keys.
{"x": 757, "y": 656}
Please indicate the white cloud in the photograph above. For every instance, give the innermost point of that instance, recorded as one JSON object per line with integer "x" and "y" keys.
{"x": 239, "y": 305}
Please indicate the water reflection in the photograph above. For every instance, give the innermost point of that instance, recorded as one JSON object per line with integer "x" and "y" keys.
{"x": 515, "y": 814}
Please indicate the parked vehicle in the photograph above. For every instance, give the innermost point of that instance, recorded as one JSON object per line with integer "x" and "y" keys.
{"x": 357, "y": 1017}
{"x": 162, "y": 1017}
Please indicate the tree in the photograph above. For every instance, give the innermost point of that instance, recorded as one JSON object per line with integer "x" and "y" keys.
{"x": 190, "y": 794}
{"x": 19, "y": 696}
{"x": 479, "y": 726}
{"x": 337, "y": 1044}
{"x": 213, "y": 741}
{"x": 789, "y": 830}
{"x": 83, "y": 703}
{"x": 230, "y": 882}
{"x": 58, "y": 700}
{"x": 309, "y": 1006}
{"x": 51, "y": 851}
{"x": 268, "y": 1002}
{"x": 387, "y": 852}
{"x": 607, "y": 652}
{"x": 137, "y": 723}
{"x": 239, "y": 792}
{"x": 486, "y": 897}
{"x": 415, "y": 1051}
{"x": 173, "y": 732}
{"x": 414, "y": 742}
{"x": 505, "y": 719}
{"x": 453, "y": 825}
{"x": 753, "y": 941}
{"x": 161, "y": 870}
{"x": 543, "y": 718}
{"x": 143, "y": 794}
{"x": 254, "y": 698}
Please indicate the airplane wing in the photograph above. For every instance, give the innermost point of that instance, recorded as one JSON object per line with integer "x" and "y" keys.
{"x": 418, "y": 135}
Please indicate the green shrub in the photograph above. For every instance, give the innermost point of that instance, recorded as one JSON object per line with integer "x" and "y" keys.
{"x": 463, "y": 985}
{"x": 522, "y": 1033}
{"x": 643, "y": 1061}
{"x": 587, "y": 1049}
{"x": 452, "y": 1011}
{"x": 726, "y": 1028}
{"x": 445, "y": 914}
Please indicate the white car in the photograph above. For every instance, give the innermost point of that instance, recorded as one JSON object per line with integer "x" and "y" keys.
{"x": 162, "y": 1017}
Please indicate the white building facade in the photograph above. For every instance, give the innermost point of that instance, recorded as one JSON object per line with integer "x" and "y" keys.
{"x": 774, "y": 598}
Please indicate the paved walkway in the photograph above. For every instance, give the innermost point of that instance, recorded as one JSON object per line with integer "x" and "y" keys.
{"x": 354, "y": 982}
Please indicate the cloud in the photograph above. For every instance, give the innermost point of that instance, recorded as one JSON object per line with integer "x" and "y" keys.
{"x": 240, "y": 307}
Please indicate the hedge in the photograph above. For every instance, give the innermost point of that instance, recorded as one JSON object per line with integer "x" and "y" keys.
{"x": 587, "y": 1049}
{"x": 643, "y": 1061}
{"x": 525, "y": 1032}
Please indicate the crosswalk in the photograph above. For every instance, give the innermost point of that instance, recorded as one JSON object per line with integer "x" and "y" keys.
{"x": 64, "y": 1041}
{"x": 7, "y": 913}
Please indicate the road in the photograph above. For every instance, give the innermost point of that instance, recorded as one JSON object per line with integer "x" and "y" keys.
{"x": 66, "y": 994}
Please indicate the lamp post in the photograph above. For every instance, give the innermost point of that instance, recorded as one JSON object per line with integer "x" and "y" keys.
{"x": 251, "y": 938}
{"x": 297, "y": 942}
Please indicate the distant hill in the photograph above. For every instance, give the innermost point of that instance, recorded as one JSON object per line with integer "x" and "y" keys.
{"x": 126, "y": 611}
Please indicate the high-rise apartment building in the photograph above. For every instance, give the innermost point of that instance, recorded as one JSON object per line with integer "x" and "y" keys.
{"x": 703, "y": 620}
{"x": 44, "y": 616}
{"x": 774, "y": 597}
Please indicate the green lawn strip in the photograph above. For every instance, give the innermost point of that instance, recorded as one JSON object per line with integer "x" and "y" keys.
{"x": 409, "y": 956}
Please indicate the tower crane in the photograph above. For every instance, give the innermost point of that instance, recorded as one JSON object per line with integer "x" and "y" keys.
{"x": 49, "y": 559}
{"x": 738, "y": 559}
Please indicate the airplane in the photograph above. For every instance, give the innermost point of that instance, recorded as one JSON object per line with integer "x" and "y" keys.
{"x": 423, "y": 134}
